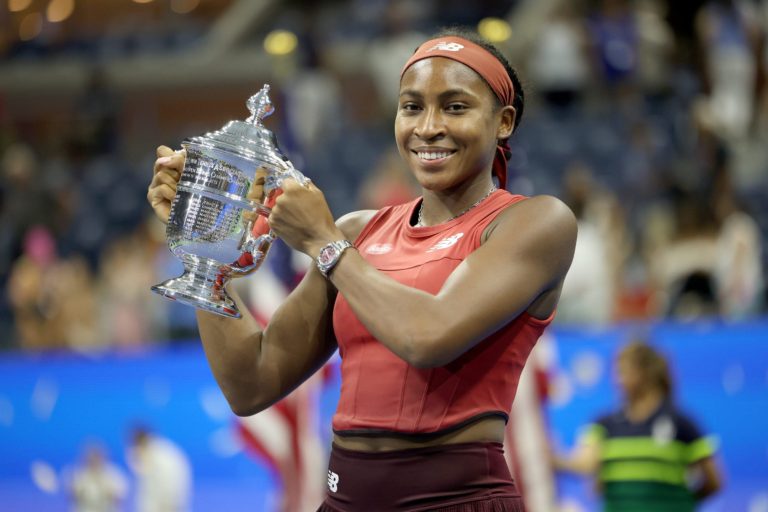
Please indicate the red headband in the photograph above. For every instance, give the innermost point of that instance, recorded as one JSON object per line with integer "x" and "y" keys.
{"x": 485, "y": 64}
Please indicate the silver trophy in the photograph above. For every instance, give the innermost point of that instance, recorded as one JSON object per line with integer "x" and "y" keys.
{"x": 206, "y": 228}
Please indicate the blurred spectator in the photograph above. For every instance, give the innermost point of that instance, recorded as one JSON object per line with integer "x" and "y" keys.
{"x": 94, "y": 124}
{"x": 647, "y": 455}
{"x": 127, "y": 271}
{"x": 683, "y": 265}
{"x": 558, "y": 63}
{"x": 53, "y": 300}
{"x": 738, "y": 273}
{"x": 350, "y": 154}
{"x": 681, "y": 16}
{"x": 29, "y": 291}
{"x": 76, "y": 314}
{"x": 97, "y": 485}
{"x": 24, "y": 201}
{"x": 614, "y": 35}
{"x": 398, "y": 39}
{"x": 163, "y": 473}
{"x": 312, "y": 101}
{"x": 728, "y": 33}
{"x": 655, "y": 49}
{"x": 389, "y": 183}
{"x": 588, "y": 291}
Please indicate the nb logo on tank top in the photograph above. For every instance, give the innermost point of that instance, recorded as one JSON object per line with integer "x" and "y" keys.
{"x": 448, "y": 47}
{"x": 333, "y": 481}
{"x": 446, "y": 242}
{"x": 379, "y": 249}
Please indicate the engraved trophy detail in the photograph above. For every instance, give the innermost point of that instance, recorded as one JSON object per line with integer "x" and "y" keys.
{"x": 206, "y": 227}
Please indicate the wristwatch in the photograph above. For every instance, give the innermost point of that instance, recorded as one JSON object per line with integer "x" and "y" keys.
{"x": 330, "y": 254}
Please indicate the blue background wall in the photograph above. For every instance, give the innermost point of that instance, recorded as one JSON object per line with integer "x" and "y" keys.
{"x": 50, "y": 405}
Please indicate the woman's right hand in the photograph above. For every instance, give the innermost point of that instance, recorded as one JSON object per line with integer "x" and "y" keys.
{"x": 166, "y": 174}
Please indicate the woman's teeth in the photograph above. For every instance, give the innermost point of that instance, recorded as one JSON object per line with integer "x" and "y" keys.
{"x": 428, "y": 155}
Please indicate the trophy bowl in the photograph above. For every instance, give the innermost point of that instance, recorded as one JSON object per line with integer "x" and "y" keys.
{"x": 206, "y": 229}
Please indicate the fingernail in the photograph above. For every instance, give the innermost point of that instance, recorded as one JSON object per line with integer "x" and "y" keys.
{"x": 163, "y": 161}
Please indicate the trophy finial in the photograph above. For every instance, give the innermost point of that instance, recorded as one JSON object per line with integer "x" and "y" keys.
{"x": 260, "y": 106}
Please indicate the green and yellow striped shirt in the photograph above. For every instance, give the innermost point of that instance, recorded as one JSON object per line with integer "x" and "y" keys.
{"x": 644, "y": 466}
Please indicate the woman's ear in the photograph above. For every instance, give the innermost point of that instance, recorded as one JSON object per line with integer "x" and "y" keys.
{"x": 507, "y": 125}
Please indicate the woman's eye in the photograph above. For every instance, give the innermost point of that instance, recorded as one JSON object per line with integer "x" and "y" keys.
{"x": 456, "y": 107}
{"x": 409, "y": 107}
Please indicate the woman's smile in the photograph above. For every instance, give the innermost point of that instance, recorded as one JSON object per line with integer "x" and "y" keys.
{"x": 433, "y": 157}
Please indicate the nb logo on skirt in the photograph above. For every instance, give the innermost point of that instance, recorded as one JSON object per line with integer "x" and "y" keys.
{"x": 333, "y": 481}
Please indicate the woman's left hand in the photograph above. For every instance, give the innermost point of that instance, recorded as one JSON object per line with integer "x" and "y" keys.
{"x": 302, "y": 218}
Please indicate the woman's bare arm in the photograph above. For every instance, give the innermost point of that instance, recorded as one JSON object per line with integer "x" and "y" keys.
{"x": 583, "y": 460}
{"x": 709, "y": 478}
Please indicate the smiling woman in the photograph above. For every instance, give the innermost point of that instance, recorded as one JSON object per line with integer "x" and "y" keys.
{"x": 434, "y": 305}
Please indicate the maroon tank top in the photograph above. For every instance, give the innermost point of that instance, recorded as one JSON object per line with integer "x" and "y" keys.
{"x": 383, "y": 394}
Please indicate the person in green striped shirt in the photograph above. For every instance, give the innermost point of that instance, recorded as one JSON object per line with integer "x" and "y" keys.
{"x": 648, "y": 455}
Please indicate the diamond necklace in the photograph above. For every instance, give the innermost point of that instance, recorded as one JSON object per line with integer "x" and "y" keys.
{"x": 419, "y": 222}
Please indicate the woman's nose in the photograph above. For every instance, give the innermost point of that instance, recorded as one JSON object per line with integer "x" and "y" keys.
{"x": 430, "y": 125}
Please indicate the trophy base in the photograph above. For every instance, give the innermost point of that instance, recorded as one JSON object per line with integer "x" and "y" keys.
{"x": 202, "y": 287}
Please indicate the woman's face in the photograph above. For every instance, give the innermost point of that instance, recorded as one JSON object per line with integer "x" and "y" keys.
{"x": 629, "y": 376}
{"x": 447, "y": 123}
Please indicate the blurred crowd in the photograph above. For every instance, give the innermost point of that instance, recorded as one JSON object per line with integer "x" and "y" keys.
{"x": 161, "y": 476}
{"x": 648, "y": 117}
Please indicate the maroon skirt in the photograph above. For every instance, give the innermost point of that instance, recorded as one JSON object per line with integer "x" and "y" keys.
{"x": 464, "y": 477}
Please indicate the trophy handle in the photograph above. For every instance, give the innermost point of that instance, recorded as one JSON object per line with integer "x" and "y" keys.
{"x": 274, "y": 180}
{"x": 258, "y": 236}
{"x": 254, "y": 249}
{"x": 273, "y": 184}
{"x": 257, "y": 239}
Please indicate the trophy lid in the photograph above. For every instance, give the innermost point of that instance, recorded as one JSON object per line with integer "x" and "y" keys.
{"x": 249, "y": 138}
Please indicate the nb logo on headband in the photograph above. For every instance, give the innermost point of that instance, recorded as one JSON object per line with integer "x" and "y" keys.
{"x": 449, "y": 47}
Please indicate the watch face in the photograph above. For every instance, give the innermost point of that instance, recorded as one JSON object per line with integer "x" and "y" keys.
{"x": 327, "y": 254}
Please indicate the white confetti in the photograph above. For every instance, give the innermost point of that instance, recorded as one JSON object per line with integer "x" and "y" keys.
{"x": 44, "y": 398}
{"x": 214, "y": 404}
{"x": 570, "y": 505}
{"x": 587, "y": 369}
{"x": 224, "y": 443}
{"x": 6, "y": 412}
{"x": 44, "y": 476}
{"x": 758, "y": 503}
{"x": 157, "y": 392}
{"x": 733, "y": 379}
